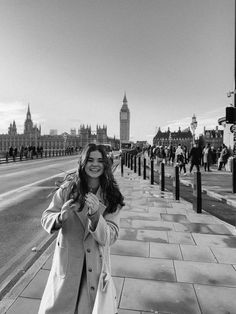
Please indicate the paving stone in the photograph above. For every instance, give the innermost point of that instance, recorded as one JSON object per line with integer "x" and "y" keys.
{"x": 36, "y": 287}
{"x": 204, "y": 218}
{"x": 205, "y": 273}
{"x": 169, "y": 251}
{"x": 152, "y": 236}
{"x": 173, "y": 210}
{"x": 128, "y": 234}
{"x": 197, "y": 253}
{"x": 132, "y": 248}
{"x": 150, "y": 296}
{"x": 180, "y": 238}
{"x": 202, "y": 228}
{"x": 211, "y": 240}
{"x": 224, "y": 255}
{"x": 146, "y": 224}
{"x": 216, "y": 299}
{"x": 24, "y": 306}
{"x": 143, "y": 235}
{"x": 142, "y": 268}
{"x": 140, "y": 216}
{"x": 137, "y": 208}
{"x": 174, "y": 217}
{"x": 120, "y": 311}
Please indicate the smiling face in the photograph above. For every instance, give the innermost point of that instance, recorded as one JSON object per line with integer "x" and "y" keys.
{"x": 95, "y": 165}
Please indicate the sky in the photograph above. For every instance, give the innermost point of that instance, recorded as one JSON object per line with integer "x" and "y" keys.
{"x": 73, "y": 60}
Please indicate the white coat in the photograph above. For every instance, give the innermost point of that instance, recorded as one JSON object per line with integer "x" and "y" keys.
{"x": 75, "y": 242}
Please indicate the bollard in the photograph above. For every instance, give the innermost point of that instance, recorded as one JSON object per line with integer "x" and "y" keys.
{"x": 176, "y": 183}
{"x": 128, "y": 160}
{"x": 131, "y": 162}
{"x": 197, "y": 192}
{"x": 144, "y": 168}
{"x": 162, "y": 176}
{"x": 122, "y": 166}
{"x": 139, "y": 166}
{"x": 234, "y": 174}
{"x": 7, "y": 156}
{"x": 135, "y": 164}
{"x": 152, "y": 172}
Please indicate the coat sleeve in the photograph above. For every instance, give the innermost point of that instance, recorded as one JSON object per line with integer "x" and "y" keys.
{"x": 50, "y": 215}
{"x": 109, "y": 223}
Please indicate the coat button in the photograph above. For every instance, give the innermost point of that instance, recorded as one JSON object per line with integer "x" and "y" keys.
{"x": 88, "y": 250}
{"x": 90, "y": 270}
{"x": 92, "y": 288}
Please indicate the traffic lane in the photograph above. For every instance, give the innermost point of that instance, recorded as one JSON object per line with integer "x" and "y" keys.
{"x": 18, "y": 176}
{"x": 21, "y": 230}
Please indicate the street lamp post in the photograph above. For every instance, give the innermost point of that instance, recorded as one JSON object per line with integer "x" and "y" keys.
{"x": 193, "y": 126}
{"x": 65, "y": 138}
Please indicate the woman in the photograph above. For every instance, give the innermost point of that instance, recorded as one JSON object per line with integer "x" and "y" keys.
{"x": 207, "y": 157}
{"x": 224, "y": 154}
{"x": 85, "y": 210}
{"x": 180, "y": 159}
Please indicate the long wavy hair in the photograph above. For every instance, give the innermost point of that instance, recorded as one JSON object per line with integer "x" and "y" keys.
{"x": 77, "y": 186}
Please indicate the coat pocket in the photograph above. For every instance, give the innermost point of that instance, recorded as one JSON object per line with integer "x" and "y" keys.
{"x": 61, "y": 261}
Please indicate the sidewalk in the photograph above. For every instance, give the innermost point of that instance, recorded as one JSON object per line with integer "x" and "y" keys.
{"x": 168, "y": 259}
{"x": 216, "y": 184}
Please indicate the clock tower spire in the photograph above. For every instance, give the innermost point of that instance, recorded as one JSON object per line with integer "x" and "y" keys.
{"x": 124, "y": 121}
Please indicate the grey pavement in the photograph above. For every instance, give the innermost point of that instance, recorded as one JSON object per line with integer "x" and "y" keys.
{"x": 168, "y": 259}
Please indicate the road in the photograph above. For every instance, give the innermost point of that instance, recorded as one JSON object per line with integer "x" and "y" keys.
{"x": 24, "y": 194}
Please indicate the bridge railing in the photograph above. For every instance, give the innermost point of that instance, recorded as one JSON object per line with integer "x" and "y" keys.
{"x": 47, "y": 153}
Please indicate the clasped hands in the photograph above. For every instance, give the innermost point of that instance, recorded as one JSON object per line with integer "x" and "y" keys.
{"x": 91, "y": 201}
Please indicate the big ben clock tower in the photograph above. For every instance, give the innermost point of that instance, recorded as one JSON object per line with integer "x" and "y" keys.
{"x": 124, "y": 122}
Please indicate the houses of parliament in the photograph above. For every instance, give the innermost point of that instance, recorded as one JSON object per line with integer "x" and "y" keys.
{"x": 32, "y": 137}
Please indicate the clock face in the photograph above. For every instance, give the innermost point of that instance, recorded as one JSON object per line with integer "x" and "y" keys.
{"x": 123, "y": 115}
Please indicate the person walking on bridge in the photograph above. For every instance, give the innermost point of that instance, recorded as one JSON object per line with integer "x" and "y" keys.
{"x": 195, "y": 158}
{"x": 85, "y": 213}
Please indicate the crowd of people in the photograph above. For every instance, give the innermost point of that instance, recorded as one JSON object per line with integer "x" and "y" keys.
{"x": 196, "y": 156}
{"x": 31, "y": 151}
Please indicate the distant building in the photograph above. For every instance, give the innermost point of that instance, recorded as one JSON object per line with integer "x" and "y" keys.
{"x": 124, "y": 122}
{"x": 53, "y": 132}
{"x": 73, "y": 132}
{"x": 213, "y": 136}
{"x": 168, "y": 138}
{"x": 32, "y": 137}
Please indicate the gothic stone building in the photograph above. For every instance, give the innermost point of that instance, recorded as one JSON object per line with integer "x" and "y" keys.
{"x": 32, "y": 137}
{"x": 175, "y": 138}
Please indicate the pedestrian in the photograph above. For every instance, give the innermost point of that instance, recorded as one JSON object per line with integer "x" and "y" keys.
{"x": 224, "y": 155}
{"x": 85, "y": 212}
{"x": 195, "y": 158}
{"x": 180, "y": 159}
{"x": 207, "y": 158}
